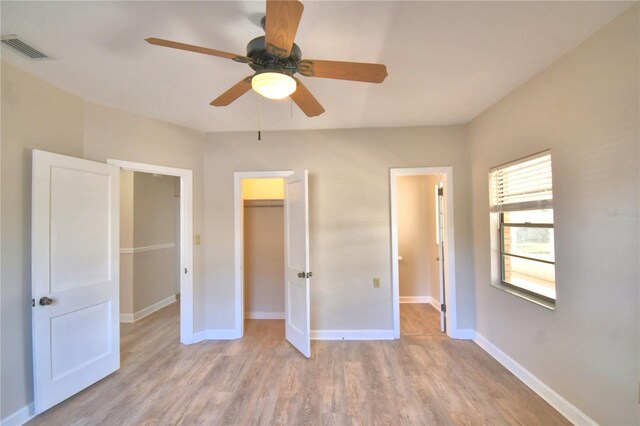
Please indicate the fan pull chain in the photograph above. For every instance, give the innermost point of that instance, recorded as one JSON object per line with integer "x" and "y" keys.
{"x": 259, "y": 125}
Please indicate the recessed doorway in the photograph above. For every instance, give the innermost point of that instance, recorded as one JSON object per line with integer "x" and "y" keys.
{"x": 427, "y": 259}
{"x": 263, "y": 241}
{"x": 259, "y": 198}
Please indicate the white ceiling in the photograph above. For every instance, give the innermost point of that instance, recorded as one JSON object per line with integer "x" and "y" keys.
{"x": 447, "y": 61}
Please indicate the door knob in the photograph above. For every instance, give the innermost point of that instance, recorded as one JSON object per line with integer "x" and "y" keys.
{"x": 301, "y": 274}
{"x": 438, "y": 259}
{"x": 44, "y": 301}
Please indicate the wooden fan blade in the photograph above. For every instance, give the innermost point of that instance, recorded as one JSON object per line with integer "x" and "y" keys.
{"x": 305, "y": 100}
{"x": 281, "y": 25}
{"x": 234, "y": 93}
{"x": 355, "y": 71}
{"x": 197, "y": 49}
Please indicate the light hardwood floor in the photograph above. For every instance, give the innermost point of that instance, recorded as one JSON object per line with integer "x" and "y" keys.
{"x": 261, "y": 379}
{"x": 419, "y": 319}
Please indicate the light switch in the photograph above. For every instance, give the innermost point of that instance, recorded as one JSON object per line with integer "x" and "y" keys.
{"x": 196, "y": 240}
{"x": 376, "y": 283}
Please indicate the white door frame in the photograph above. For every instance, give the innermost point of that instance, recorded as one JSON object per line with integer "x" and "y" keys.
{"x": 450, "y": 262}
{"x": 238, "y": 232}
{"x": 186, "y": 238}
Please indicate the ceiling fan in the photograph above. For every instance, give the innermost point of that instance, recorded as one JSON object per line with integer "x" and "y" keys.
{"x": 275, "y": 58}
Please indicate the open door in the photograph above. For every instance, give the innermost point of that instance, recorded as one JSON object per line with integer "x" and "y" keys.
{"x": 440, "y": 240}
{"x": 296, "y": 260}
{"x": 75, "y": 268}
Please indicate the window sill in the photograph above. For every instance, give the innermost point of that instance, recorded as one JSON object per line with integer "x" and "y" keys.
{"x": 525, "y": 295}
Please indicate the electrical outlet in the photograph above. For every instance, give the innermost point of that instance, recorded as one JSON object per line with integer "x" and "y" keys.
{"x": 376, "y": 283}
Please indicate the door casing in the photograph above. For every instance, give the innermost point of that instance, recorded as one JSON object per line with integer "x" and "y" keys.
{"x": 187, "y": 333}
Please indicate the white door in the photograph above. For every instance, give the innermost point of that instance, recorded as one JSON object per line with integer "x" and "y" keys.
{"x": 75, "y": 268}
{"x": 440, "y": 240}
{"x": 296, "y": 260}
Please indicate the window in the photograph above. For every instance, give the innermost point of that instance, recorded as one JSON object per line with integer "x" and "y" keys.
{"x": 522, "y": 207}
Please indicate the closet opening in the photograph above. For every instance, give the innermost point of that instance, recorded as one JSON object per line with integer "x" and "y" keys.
{"x": 260, "y": 248}
{"x": 263, "y": 241}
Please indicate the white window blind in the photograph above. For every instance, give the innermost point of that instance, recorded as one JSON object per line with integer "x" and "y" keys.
{"x": 522, "y": 185}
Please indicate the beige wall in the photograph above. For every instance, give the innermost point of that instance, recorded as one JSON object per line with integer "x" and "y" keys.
{"x": 147, "y": 218}
{"x": 34, "y": 115}
{"x": 418, "y": 269}
{"x": 37, "y": 115}
{"x": 264, "y": 257}
{"x": 585, "y": 109}
{"x": 350, "y": 241}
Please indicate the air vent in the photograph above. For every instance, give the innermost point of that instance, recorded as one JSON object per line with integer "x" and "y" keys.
{"x": 15, "y": 43}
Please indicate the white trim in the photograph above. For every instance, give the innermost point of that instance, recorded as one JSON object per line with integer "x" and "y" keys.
{"x": 264, "y": 315}
{"x": 415, "y": 299}
{"x": 136, "y": 316}
{"x": 127, "y": 318}
{"x": 352, "y": 335}
{"x": 450, "y": 265}
{"x": 133, "y": 250}
{"x": 186, "y": 238}
{"x": 20, "y": 417}
{"x": 466, "y": 334}
{"x": 564, "y": 407}
{"x": 239, "y": 243}
{"x": 215, "y": 335}
{"x": 435, "y": 303}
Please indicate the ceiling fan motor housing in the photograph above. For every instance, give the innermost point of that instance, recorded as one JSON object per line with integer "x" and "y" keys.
{"x": 264, "y": 61}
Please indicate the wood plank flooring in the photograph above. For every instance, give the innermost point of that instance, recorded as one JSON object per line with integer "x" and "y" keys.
{"x": 418, "y": 319}
{"x": 260, "y": 379}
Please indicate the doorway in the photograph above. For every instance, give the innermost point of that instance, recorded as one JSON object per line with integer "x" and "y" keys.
{"x": 419, "y": 255}
{"x": 149, "y": 243}
{"x": 428, "y": 261}
{"x": 259, "y": 203}
{"x": 297, "y": 273}
{"x": 263, "y": 242}
{"x": 184, "y": 233}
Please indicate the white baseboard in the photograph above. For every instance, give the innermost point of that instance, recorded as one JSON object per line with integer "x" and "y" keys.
{"x": 126, "y": 318}
{"x": 352, "y": 335}
{"x": 465, "y": 334}
{"x": 415, "y": 299}
{"x": 421, "y": 299}
{"x": 564, "y": 407}
{"x": 435, "y": 304}
{"x": 20, "y": 417}
{"x": 264, "y": 315}
{"x": 148, "y": 310}
{"x": 216, "y": 335}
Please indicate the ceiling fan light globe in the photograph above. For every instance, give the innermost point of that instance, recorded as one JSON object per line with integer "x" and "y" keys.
{"x": 273, "y": 85}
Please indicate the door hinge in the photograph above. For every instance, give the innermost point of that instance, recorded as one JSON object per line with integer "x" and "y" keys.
{"x": 33, "y": 303}
{"x": 443, "y": 307}
{"x": 440, "y": 190}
